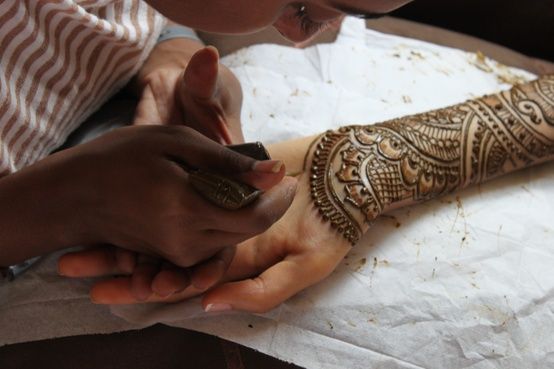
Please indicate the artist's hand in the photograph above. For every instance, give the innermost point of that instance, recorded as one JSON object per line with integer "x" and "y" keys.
{"x": 182, "y": 83}
{"x": 132, "y": 190}
{"x": 298, "y": 251}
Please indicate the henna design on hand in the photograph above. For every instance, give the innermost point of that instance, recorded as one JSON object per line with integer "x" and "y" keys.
{"x": 359, "y": 172}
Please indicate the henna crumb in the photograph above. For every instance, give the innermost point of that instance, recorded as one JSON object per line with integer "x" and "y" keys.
{"x": 250, "y": 326}
{"x": 361, "y": 263}
{"x": 397, "y": 224}
{"x": 417, "y": 55}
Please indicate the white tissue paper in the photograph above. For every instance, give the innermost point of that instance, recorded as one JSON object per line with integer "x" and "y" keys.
{"x": 465, "y": 281}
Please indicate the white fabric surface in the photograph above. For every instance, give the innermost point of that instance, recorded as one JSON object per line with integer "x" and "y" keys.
{"x": 453, "y": 283}
{"x": 461, "y": 282}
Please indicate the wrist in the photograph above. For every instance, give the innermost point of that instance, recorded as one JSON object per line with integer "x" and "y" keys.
{"x": 40, "y": 212}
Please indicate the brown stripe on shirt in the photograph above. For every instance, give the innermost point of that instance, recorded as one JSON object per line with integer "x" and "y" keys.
{"x": 104, "y": 61}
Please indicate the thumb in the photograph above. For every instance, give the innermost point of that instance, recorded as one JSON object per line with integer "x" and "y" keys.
{"x": 200, "y": 77}
{"x": 196, "y": 151}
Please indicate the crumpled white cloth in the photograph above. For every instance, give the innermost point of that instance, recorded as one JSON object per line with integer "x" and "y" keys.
{"x": 461, "y": 282}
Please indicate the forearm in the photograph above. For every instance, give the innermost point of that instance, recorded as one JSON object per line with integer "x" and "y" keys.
{"x": 36, "y": 215}
{"x": 360, "y": 172}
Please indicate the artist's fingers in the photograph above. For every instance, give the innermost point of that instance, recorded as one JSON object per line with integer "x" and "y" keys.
{"x": 207, "y": 274}
{"x": 141, "y": 281}
{"x": 118, "y": 291}
{"x": 246, "y": 263}
{"x": 170, "y": 279}
{"x": 251, "y": 259}
{"x": 96, "y": 262}
{"x": 272, "y": 287}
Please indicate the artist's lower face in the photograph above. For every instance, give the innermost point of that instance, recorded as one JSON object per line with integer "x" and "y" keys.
{"x": 296, "y": 20}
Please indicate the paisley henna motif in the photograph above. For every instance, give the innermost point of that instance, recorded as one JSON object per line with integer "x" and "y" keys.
{"x": 359, "y": 172}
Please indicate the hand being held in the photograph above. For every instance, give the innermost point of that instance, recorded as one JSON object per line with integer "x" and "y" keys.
{"x": 298, "y": 251}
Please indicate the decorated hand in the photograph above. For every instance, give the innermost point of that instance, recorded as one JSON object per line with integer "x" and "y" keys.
{"x": 183, "y": 83}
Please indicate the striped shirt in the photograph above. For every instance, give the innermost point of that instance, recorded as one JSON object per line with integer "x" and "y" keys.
{"x": 60, "y": 60}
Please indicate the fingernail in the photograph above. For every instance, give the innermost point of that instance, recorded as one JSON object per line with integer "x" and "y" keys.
{"x": 268, "y": 166}
{"x": 216, "y": 308}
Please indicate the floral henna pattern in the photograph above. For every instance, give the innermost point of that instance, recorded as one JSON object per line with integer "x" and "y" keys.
{"x": 359, "y": 172}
